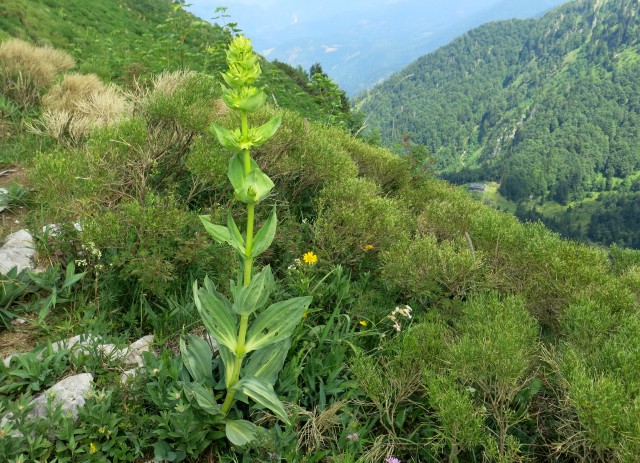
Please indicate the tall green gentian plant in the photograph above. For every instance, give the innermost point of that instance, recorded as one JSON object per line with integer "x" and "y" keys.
{"x": 253, "y": 340}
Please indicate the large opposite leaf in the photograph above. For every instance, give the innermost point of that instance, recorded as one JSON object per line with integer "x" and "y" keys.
{"x": 236, "y": 239}
{"x": 225, "y": 137}
{"x": 264, "y": 237}
{"x": 197, "y": 358}
{"x": 240, "y": 432}
{"x": 229, "y": 359}
{"x": 266, "y": 363}
{"x": 276, "y": 323}
{"x": 266, "y": 131}
{"x": 204, "y": 397}
{"x": 255, "y": 296}
{"x": 236, "y": 171}
{"x": 253, "y": 102}
{"x": 257, "y": 187}
{"x": 263, "y": 394}
{"x": 219, "y": 233}
{"x": 216, "y": 316}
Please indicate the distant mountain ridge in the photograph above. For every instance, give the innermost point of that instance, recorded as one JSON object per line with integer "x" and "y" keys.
{"x": 359, "y": 45}
{"x": 548, "y": 107}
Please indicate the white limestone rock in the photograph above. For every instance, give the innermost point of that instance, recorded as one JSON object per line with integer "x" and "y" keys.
{"x": 3, "y": 194}
{"x": 69, "y": 393}
{"x": 17, "y": 251}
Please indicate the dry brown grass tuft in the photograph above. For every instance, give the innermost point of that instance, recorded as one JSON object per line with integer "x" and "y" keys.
{"x": 320, "y": 428}
{"x": 76, "y": 105}
{"x": 168, "y": 82}
{"x": 73, "y": 88}
{"x": 26, "y": 70}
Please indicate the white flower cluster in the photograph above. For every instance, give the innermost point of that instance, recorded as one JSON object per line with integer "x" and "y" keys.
{"x": 296, "y": 263}
{"x": 404, "y": 311}
{"x": 93, "y": 250}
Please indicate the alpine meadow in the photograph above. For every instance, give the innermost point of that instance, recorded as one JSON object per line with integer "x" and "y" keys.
{"x": 209, "y": 257}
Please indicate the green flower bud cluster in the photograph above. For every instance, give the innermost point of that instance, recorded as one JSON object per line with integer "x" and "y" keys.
{"x": 250, "y": 184}
{"x": 243, "y": 72}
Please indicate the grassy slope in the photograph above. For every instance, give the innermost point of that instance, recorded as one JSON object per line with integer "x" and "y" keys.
{"x": 118, "y": 39}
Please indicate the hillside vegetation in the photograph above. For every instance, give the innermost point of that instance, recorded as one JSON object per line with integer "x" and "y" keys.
{"x": 547, "y": 107}
{"x": 439, "y": 329}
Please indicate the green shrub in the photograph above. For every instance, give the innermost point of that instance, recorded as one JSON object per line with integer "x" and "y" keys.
{"x": 131, "y": 187}
{"x": 622, "y": 259}
{"x": 352, "y": 214}
{"x": 495, "y": 356}
{"x": 303, "y": 156}
{"x": 388, "y": 170}
{"x": 598, "y": 367}
{"x": 423, "y": 266}
{"x": 460, "y": 421}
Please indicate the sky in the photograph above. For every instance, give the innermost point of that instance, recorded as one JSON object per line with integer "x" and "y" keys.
{"x": 359, "y": 42}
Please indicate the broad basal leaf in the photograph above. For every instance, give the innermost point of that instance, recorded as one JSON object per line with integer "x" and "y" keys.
{"x": 216, "y": 316}
{"x": 255, "y": 296}
{"x": 197, "y": 357}
{"x": 240, "y": 432}
{"x": 204, "y": 397}
{"x": 229, "y": 360}
{"x": 263, "y": 394}
{"x": 266, "y": 363}
{"x": 276, "y": 323}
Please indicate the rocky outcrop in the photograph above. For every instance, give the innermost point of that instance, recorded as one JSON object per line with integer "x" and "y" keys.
{"x": 17, "y": 250}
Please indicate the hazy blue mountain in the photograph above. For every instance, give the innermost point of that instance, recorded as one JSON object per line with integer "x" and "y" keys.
{"x": 361, "y": 42}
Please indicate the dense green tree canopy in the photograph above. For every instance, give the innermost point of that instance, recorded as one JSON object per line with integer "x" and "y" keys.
{"x": 548, "y": 107}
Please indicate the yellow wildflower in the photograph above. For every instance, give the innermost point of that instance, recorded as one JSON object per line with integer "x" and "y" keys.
{"x": 93, "y": 448}
{"x": 368, "y": 247}
{"x": 363, "y": 322}
{"x": 309, "y": 258}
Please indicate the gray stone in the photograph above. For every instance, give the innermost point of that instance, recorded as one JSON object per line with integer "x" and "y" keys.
{"x": 212, "y": 342}
{"x": 17, "y": 251}
{"x": 133, "y": 355}
{"x": 128, "y": 375}
{"x": 3, "y": 194}
{"x": 69, "y": 393}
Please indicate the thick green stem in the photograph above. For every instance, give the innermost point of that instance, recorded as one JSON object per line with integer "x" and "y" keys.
{"x": 248, "y": 265}
{"x": 231, "y": 392}
{"x": 248, "y": 260}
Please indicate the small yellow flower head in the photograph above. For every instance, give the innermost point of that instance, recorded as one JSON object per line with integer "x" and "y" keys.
{"x": 101, "y": 430}
{"x": 368, "y": 247}
{"x": 363, "y": 323}
{"x": 93, "y": 448}
{"x": 310, "y": 258}
{"x": 305, "y": 314}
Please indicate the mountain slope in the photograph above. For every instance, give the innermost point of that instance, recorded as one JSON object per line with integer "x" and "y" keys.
{"x": 548, "y": 107}
{"x": 120, "y": 40}
{"x": 359, "y": 43}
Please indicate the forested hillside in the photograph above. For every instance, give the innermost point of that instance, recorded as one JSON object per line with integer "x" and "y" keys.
{"x": 549, "y": 108}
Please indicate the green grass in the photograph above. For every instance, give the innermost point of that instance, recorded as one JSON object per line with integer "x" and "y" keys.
{"x": 120, "y": 40}
{"x": 492, "y": 197}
